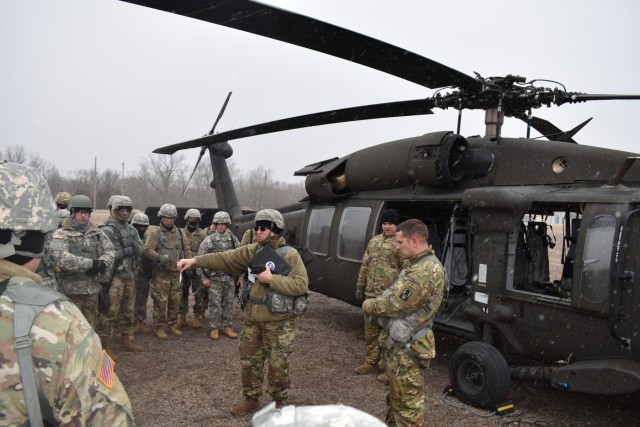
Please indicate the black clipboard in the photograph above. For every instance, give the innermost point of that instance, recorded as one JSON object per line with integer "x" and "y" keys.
{"x": 267, "y": 256}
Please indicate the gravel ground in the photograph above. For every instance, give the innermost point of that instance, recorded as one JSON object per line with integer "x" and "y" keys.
{"x": 194, "y": 381}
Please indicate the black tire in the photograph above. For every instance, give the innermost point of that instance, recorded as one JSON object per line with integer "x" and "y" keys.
{"x": 479, "y": 375}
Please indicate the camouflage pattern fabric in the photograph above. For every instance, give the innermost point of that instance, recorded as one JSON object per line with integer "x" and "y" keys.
{"x": 166, "y": 292}
{"x": 121, "y": 235}
{"x": 381, "y": 264}
{"x": 418, "y": 285}
{"x": 45, "y": 268}
{"x": 195, "y": 238}
{"x": 119, "y": 316}
{"x": 143, "y": 279}
{"x": 161, "y": 241}
{"x": 67, "y": 354}
{"x": 222, "y": 288}
{"x": 272, "y": 341}
{"x": 72, "y": 252}
{"x": 87, "y": 304}
{"x": 248, "y": 237}
{"x": 265, "y": 335}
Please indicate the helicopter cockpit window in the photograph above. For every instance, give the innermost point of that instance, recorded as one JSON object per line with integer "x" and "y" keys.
{"x": 597, "y": 258}
{"x": 319, "y": 228}
{"x": 352, "y": 235}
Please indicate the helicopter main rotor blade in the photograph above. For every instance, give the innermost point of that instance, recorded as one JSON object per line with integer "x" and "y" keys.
{"x": 224, "y": 107}
{"x": 299, "y": 30}
{"x": 571, "y": 97}
{"x": 376, "y": 111}
{"x": 204, "y": 148}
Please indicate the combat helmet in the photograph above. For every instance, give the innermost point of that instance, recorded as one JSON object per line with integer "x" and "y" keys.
{"x": 273, "y": 217}
{"x": 25, "y": 200}
{"x": 80, "y": 202}
{"x": 221, "y": 217}
{"x": 168, "y": 210}
{"x": 111, "y": 199}
{"x": 140, "y": 219}
{"x": 118, "y": 202}
{"x": 62, "y": 199}
{"x": 192, "y": 213}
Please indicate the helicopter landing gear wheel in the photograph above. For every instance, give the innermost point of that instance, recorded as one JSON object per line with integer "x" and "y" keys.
{"x": 479, "y": 375}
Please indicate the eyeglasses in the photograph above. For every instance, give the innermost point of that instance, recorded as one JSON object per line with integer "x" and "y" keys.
{"x": 125, "y": 209}
{"x": 83, "y": 211}
{"x": 261, "y": 228}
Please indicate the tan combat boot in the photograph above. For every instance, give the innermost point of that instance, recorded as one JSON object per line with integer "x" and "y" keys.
{"x": 366, "y": 368}
{"x": 182, "y": 321}
{"x": 128, "y": 345}
{"x": 214, "y": 334}
{"x": 246, "y": 406}
{"x": 106, "y": 346}
{"x": 142, "y": 327}
{"x": 229, "y": 332}
{"x": 383, "y": 378}
{"x": 197, "y": 320}
{"x": 160, "y": 333}
{"x": 175, "y": 330}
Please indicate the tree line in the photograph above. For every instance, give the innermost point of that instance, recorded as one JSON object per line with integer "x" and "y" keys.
{"x": 161, "y": 179}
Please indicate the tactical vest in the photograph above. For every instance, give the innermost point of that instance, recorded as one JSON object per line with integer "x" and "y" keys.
{"x": 29, "y": 299}
{"x": 222, "y": 244}
{"x": 404, "y": 330}
{"x": 279, "y": 303}
{"x": 167, "y": 247}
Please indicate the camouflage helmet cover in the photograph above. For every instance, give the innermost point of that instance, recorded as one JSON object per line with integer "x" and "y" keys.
{"x": 111, "y": 199}
{"x": 270, "y": 215}
{"x": 25, "y": 200}
{"x": 135, "y": 212}
{"x": 63, "y": 198}
{"x": 192, "y": 213}
{"x": 140, "y": 219}
{"x": 168, "y": 210}
{"x": 120, "y": 202}
{"x": 221, "y": 218}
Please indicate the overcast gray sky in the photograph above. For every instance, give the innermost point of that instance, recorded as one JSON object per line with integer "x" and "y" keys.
{"x": 83, "y": 79}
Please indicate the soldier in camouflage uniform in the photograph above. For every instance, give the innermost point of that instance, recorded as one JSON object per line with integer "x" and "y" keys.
{"x": 164, "y": 246}
{"x": 82, "y": 256}
{"x": 62, "y": 200}
{"x": 195, "y": 235}
{"x": 266, "y": 334}
{"x": 411, "y": 302}
{"x": 122, "y": 291}
{"x": 65, "y": 354}
{"x": 249, "y": 237}
{"x": 221, "y": 285}
{"x": 380, "y": 267}
{"x": 140, "y": 222}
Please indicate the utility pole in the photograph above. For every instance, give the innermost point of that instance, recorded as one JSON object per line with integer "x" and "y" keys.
{"x": 122, "y": 181}
{"x": 95, "y": 179}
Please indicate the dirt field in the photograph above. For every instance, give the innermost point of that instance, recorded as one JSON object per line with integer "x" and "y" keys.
{"x": 194, "y": 381}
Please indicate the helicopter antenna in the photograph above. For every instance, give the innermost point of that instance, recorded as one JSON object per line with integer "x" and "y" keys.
{"x": 204, "y": 147}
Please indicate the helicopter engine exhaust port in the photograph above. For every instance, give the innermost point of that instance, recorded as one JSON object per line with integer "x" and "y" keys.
{"x": 441, "y": 159}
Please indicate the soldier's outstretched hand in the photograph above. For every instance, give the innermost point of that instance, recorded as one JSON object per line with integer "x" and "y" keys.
{"x": 183, "y": 264}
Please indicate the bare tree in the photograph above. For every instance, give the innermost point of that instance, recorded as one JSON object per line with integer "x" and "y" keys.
{"x": 166, "y": 175}
{"x": 15, "y": 154}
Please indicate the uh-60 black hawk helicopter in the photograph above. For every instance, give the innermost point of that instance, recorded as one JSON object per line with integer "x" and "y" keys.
{"x": 565, "y": 296}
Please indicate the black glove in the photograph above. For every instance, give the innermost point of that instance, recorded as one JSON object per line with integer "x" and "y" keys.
{"x": 128, "y": 251}
{"x": 97, "y": 266}
{"x": 359, "y": 293}
{"x": 164, "y": 261}
{"x": 126, "y": 242}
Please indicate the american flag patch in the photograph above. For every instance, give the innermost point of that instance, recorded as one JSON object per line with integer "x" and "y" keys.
{"x": 105, "y": 371}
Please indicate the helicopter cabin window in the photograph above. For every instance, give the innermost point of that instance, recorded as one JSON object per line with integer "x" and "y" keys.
{"x": 319, "y": 228}
{"x": 594, "y": 282}
{"x": 539, "y": 262}
{"x": 352, "y": 235}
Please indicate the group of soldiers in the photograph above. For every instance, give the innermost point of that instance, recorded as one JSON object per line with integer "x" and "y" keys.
{"x": 107, "y": 272}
